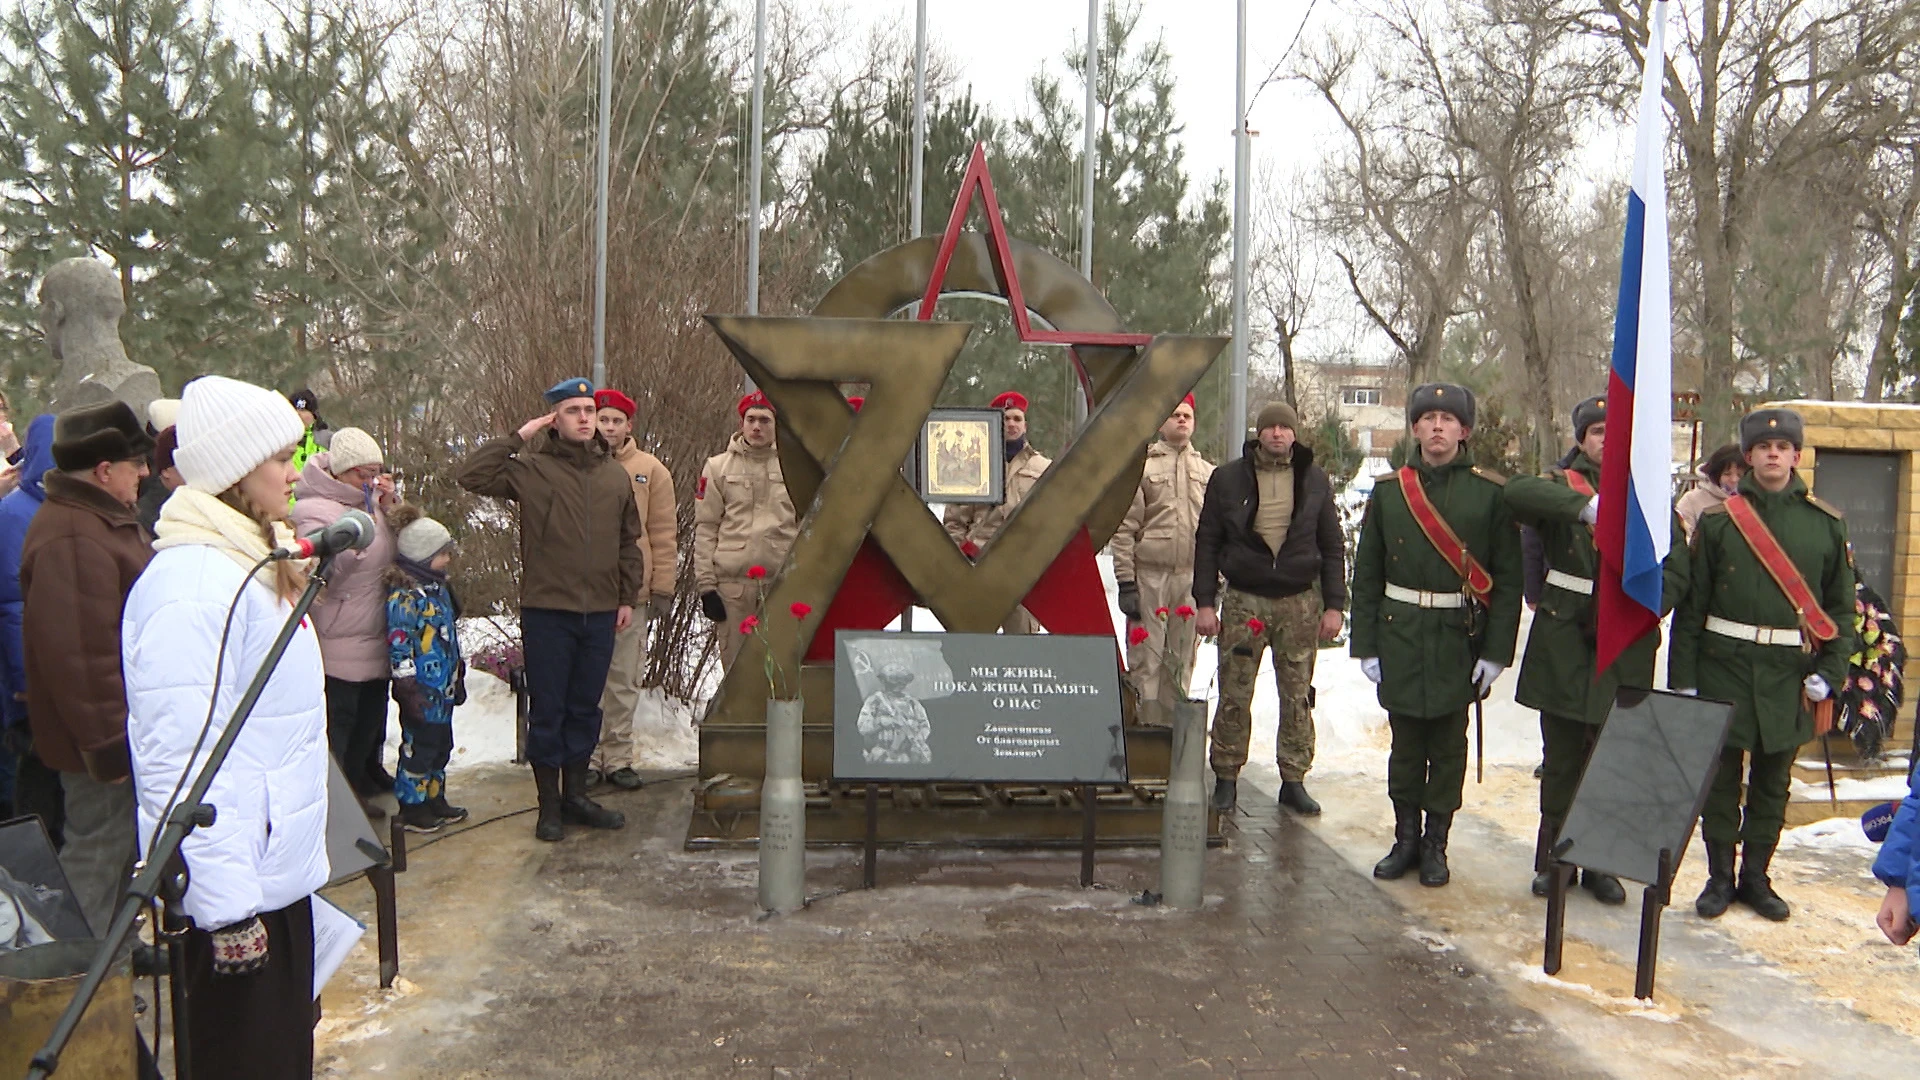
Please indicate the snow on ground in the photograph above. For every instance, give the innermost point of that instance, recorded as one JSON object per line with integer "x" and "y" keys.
{"x": 483, "y": 728}
{"x": 1838, "y": 834}
{"x": 1877, "y": 789}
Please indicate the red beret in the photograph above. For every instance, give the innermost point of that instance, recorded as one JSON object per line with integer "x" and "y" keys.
{"x": 1188, "y": 402}
{"x": 755, "y": 400}
{"x": 856, "y": 402}
{"x": 1012, "y": 399}
{"x": 614, "y": 399}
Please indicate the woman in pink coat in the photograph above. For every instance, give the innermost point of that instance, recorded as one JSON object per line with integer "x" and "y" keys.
{"x": 351, "y": 615}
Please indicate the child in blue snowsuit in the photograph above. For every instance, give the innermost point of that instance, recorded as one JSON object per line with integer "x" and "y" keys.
{"x": 429, "y": 676}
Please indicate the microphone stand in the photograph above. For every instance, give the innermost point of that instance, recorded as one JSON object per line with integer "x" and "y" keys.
{"x": 162, "y": 869}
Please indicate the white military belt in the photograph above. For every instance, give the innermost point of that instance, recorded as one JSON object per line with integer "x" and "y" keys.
{"x": 1421, "y": 598}
{"x": 1583, "y": 586}
{"x": 1759, "y": 635}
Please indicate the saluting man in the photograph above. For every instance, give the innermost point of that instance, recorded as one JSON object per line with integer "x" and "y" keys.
{"x": 1436, "y": 609}
{"x": 974, "y": 525}
{"x": 1556, "y": 676}
{"x": 1153, "y": 559}
{"x": 1768, "y": 626}
{"x": 742, "y": 518}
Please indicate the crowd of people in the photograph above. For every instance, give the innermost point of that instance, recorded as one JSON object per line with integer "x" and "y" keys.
{"x": 145, "y": 571}
{"x": 139, "y": 593}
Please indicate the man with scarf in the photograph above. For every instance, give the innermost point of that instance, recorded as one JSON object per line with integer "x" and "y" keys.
{"x": 1556, "y": 675}
{"x": 974, "y": 525}
{"x": 1269, "y": 526}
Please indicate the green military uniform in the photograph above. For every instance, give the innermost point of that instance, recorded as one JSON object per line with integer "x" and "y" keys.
{"x": 1770, "y": 721}
{"x": 1556, "y": 675}
{"x": 1427, "y": 654}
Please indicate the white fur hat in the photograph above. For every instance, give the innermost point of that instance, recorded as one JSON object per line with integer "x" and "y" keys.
{"x": 227, "y": 429}
{"x": 162, "y": 411}
{"x": 350, "y": 449}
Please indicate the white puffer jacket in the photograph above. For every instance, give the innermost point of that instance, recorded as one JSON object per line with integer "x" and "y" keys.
{"x": 267, "y": 846}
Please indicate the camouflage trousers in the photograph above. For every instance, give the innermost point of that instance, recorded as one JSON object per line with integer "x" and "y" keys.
{"x": 1149, "y": 663}
{"x": 1291, "y": 627}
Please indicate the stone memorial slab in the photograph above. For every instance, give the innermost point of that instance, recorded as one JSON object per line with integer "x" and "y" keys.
{"x": 1866, "y": 488}
{"x": 977, "y": 707}
{"x": 1645, "y": 783}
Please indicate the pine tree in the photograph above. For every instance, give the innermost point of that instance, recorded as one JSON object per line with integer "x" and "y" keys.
{"x": 129, "y": 135}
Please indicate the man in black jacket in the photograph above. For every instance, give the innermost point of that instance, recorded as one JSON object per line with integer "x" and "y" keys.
{"x": 1270, "y": 527}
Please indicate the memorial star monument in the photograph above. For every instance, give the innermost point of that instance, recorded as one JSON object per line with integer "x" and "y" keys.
{"x": 869, "y": 547}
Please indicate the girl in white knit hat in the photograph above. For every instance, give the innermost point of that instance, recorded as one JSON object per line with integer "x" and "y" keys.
{"x": 253, "y": 871}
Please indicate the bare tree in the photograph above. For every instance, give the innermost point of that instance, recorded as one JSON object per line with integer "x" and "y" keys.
{"x": 1758, "y": 91}
{"x": 1286, "y": 270}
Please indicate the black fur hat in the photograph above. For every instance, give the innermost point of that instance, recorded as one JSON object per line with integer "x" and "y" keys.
{"x": 91, "y": 434}
{"x": 1588, "y": 413}
{"x": 1772, "y": 424}
{"x": 1441, "y": 397}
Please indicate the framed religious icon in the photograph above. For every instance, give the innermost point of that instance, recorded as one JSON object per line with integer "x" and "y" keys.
{"x": 960, "y": 459}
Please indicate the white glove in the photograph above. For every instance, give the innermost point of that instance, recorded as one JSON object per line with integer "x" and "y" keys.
{"x": 1484, "y": 672}
{"x": 1688, "y": 692}
{"x": 1817, "y": 688}
{"x": 1590, "y": 513}
{"x": 1370, "y": 667}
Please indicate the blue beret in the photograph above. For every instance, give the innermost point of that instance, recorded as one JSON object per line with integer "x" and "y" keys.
{"x": 569, "y": 388}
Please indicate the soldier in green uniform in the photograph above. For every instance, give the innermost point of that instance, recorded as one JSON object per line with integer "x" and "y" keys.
{"x": 1738, "y": 638}
{"x": 1432, "y": 649}
{"x": 1556, "y": 675}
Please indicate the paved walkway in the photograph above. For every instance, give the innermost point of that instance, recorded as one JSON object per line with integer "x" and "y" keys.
{"x": 619, "y": 955}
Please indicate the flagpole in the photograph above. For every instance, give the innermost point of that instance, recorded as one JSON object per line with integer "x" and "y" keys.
{"x": 1236, "y": 421}
{"x": 755, "y": 151}
{"x": 1086, "y": 182}
{"x": 919, "y": 116}
{"x": 602, "y": 169}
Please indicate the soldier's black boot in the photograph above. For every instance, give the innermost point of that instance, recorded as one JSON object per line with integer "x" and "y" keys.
{"x": 1433, "y": 850}
{"x": 1406, "y": 843}
{"x": 1293, "y": 796}
{"x": 1715, "y": 898}
{"x": 1543, "y": 856}
{"x": 1755, "y": 890}
{"x": 1226, "y": 794}
{"x": 546, "y": 779}
{"x": 577, "y": 808}
{"x": 1605, "y": 887}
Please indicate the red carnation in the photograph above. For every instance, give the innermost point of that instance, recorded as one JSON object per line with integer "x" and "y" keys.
{"x": 1136, "y": 636}
{"x": 749, "y": 624}
{"x": 1160, "y": 612}
{"x": 801, "y": 611}
{"x": 755, "y": 573}
{"x": 1185, "y": 611}
{"x": 970, "y": 549}
{"x": 1256, "y": 626}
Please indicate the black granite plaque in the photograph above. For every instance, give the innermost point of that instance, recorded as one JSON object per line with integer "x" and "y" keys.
{"x": 986, "y": 707}
{"x": 1645, "y": 784}
{"x": 352, "y": 844}
{"x": 1866, "y": 488}
{"x": 37, "y": 906}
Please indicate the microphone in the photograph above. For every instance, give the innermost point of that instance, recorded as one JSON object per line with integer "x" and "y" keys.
{"x": 351, "y": 531}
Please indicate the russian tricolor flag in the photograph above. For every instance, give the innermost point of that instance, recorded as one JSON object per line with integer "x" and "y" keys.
{"x": 1633, "y": 532}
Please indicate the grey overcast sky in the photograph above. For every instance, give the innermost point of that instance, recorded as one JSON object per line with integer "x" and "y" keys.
{"x": 995, "y": 45}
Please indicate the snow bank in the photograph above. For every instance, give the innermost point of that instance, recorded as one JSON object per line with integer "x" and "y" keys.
{"x": 1876, "y": 789}
{"x": 1838, "y": 834}
{"x": 483, "y": 728}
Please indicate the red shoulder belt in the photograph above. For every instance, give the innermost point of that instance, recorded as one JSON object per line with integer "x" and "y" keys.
{"x": 1813, "y": 618}
{"x": 1475, "y": 580}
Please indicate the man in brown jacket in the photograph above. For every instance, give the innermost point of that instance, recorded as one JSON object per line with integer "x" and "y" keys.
{"x": 653, "y": 498}
{"x": 974, "y": 525}
{"x": 1153, "y": 562}
{"x": 82, "y": 554}
{"x": 742, "y": 519}
{"x": 581, "y": 568}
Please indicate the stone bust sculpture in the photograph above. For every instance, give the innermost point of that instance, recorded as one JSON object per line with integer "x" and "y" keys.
{"x": 80, "y": 309}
